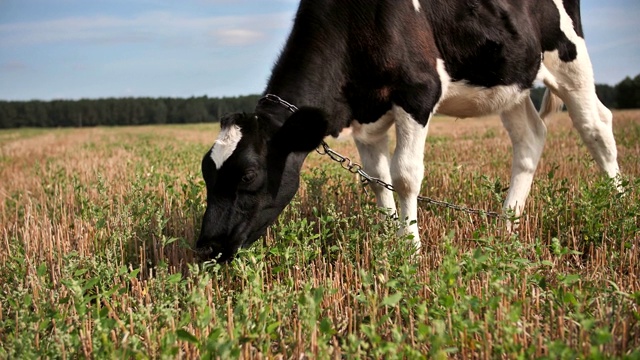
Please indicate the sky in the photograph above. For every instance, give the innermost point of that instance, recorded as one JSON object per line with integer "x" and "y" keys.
{"x": 71, "y": 49}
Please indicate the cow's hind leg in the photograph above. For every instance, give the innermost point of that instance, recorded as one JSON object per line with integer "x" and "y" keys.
{"x": 407, "y": 169}
{"x": 527, "y": 132}
{"x": 594, "y": 124}
{"x": 372, "y": 142}
{"x": 573, "y": 82}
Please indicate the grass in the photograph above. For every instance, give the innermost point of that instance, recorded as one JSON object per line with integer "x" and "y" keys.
{"x": 96, "y": 224}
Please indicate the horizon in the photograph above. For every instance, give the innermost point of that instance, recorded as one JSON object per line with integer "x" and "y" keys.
{"x": 74, "y": 50}
{"x": 535, "y": 87}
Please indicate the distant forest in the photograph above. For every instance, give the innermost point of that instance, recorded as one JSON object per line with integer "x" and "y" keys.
{"x": 146, "y": 111}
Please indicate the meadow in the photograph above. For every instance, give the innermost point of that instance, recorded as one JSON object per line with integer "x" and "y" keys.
{"x": 96, "y": 226}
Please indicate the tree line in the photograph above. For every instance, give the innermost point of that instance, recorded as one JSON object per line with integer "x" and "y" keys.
{"x": 120, "y": 111}
{"x": 147, "y": 111}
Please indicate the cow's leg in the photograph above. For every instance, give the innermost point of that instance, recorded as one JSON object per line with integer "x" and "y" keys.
{"x": 407, "y": 169}
{"x": 372, "y": 141}
{"x": 527, "y": 132}
{"x": 573, "y": 82}
{"x": 592, "y": 120}
{"x": 594, "y": 123}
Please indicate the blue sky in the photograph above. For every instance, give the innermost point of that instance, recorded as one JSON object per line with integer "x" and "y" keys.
{"x": 52, "y": 49}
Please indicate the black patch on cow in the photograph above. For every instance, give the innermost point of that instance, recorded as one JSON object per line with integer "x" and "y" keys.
{"x": 551, "y": 36}
{"x": 490, "y": 43}
{"x": 573, "y": 9}
{"x": 357, "y": 59}
{"x": 302, "y": 132}
{"x": 391, "y": 60}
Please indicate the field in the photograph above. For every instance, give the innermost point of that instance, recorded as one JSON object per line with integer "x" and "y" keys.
{"x": 95, "y": 262}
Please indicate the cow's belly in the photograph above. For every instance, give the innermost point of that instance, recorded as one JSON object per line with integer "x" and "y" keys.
{"x": 462, "y": 100}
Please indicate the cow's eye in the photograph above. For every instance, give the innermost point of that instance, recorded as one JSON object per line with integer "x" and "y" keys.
{"x": 249, "y": 176}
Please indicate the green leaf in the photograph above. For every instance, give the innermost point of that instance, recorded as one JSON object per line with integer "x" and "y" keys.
{"x": 570, "y": 279}
{"x": 325, "y": 326}
{"x": 175, "y": 278}
{"x": 602, "y": 337}
{"x": 184, "y": 335}
{"x": 392, "y": 284}
{"x": 392, "y": 300}
{"x": 423, "y": 330}
{"x": 569, "y": 298}
{"x": 80, "y": 272}
{"x": 104, "y": 313}
{"x": 123, "y": 270}
{"x": 272, "y": 327}
{"x": 42, "y": 269}
{"x": 168, "y": 241}
{"x": 91, "y": 283}
{"x": 134, "y": 273}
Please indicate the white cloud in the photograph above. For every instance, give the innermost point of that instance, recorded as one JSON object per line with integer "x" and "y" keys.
{"x": 13, "y": 65}
{"x": 147, "y": 27}
{"x": 237, "y": 37}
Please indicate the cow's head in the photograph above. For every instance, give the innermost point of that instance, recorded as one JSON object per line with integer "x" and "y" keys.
{"x": 252, "y": 172}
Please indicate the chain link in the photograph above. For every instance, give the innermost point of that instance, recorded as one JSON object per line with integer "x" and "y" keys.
{"x": 366, "y": 179}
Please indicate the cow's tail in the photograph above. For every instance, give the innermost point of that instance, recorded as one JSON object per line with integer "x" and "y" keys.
{"x": 551, "y": 104}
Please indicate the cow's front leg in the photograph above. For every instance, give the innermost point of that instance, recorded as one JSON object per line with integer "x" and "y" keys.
{"x": 372, "y": 141}
{"x": 407, "y": 169}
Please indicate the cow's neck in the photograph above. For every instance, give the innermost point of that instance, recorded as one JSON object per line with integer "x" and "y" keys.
{"x": 310, "y": 72}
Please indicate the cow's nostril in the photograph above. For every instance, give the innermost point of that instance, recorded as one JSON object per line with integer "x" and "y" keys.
{"x": 203, "y": 251}
{"x": 210, "y": 249}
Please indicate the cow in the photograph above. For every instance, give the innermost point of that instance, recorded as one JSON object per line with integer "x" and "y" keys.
{"x": 371, "y": 64}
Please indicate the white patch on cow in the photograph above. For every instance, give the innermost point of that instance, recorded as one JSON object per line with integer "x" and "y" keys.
{"x": 345, "y": 134}
{"x": 461, "y": 100}
{"x": 445, "y": 81}
{"x": 566, "y": 24}
{"x": 551, "y": 103}
{"x": 226, "y": 143}
{"x": 416, "y": 5}
{"x": 373, "y": 132}
{"x": 578, "y": 73}
{"x": 545, "y": 76}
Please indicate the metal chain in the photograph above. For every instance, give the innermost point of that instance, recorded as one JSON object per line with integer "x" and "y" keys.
{"x": 276, "y": 99}
{"x": 366, "y": 179}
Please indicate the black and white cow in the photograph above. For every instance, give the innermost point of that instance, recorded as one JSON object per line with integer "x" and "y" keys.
{"x": 370, "y": 64}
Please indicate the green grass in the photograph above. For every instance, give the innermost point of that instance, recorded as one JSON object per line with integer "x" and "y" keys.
{"x": 96, "y": 226}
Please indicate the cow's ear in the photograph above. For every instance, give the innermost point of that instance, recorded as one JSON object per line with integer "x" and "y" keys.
{"x": 303, "y": 131}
